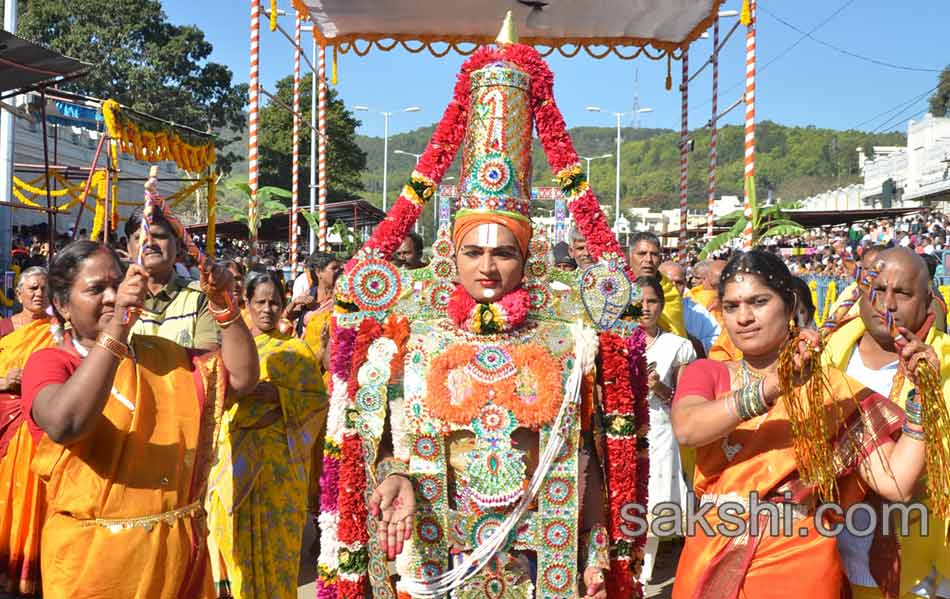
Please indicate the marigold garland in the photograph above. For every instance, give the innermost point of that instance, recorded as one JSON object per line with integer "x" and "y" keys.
{"x": 155, "y": 145}
{"x": 528, "y": 360}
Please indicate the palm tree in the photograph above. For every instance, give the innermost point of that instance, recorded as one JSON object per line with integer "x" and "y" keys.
{"x": 768, "y": 221}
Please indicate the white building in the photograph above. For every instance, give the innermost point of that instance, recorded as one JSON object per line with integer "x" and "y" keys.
{"x": 919, "y": 172}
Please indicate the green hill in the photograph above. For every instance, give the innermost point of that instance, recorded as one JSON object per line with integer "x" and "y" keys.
{"x": 792, "y": 162}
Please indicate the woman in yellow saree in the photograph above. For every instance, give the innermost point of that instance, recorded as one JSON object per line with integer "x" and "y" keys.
{"x": 732, "y": 413}
{"x": 124, "y": 429}
{"x": 22, "y": 497}
{"x": 258, "y": 489}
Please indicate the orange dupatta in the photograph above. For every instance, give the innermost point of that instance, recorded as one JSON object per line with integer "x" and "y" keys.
{"x": 20, "y": 490}
{"x": 805, "y": 563}
{"x": 125, "y": 502}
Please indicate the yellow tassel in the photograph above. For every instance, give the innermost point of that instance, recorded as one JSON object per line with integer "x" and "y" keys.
{"x": 333, "y": 79}
{"x": 669, "y": 73}
{"x": 745, "y": 16}
{"x": 273, "y": 15}
{"x": 808, "y": 417}
{"x": 936, "y": 421}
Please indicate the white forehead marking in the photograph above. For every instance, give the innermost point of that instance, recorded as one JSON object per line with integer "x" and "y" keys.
{"x": 488, "y": 235}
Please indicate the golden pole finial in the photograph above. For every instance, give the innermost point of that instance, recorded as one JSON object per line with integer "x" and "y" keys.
{"x": 509, "y": 32}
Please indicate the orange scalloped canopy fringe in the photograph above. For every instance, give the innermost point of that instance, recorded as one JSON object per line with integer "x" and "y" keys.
{"x": 624, "y": 48}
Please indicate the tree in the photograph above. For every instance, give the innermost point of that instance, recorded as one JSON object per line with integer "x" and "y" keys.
{"x": 142, "y": 61}
{"x": 940, "y": 101}
{"x": 345, "y": 159}
{"x": 234, "y": 205}
{"x": 766, "y": 222}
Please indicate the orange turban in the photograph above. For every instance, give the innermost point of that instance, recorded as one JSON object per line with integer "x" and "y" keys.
{"x": 468, "y": 221}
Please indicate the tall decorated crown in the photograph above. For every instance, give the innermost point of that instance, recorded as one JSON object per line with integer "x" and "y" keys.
{"x": 496, "y": 152}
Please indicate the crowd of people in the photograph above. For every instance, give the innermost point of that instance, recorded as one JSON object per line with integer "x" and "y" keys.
{"x": 493, "y": 421}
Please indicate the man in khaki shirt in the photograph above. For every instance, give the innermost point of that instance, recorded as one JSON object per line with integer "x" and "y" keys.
{"x": 175, "y": 308}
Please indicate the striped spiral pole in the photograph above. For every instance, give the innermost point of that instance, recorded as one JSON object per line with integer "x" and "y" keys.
{"x": 322, "y": 145}
{"x": 295, "y": 159}
{"x": 749, "y": 174}
{"x": 684, "y": 150}
{"x": 252, "y": 122}
{"x": 713, "y": 132}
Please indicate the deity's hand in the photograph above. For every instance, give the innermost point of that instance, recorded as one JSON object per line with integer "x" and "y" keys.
{"x": 594, "y": 583}
{"x": 394, "y": 504}
{"x": 914, "y": 351}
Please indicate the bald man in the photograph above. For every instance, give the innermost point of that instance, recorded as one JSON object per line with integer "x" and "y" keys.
{"x": 865, "y": 349}
{"x": 697, "y": 276}
{"x": 850, "y": 293}
{"x": 706, "y": 294}
{"x": 700, "y": 325}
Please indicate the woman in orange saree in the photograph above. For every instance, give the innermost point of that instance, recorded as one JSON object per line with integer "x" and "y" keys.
{"x": 730, "y": 412}
{"x": 124, "y": 434}
{"x": 22, "y": 497}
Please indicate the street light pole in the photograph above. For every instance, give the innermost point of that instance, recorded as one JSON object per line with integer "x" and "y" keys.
{"x": 617, "y": 199}
{"x": 386, "y": 116}
{"x": 588, "y": 159}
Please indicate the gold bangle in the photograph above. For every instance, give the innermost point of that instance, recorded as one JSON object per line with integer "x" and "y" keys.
{"x": 214, "y": 311}
{"x": 112, "y": 345}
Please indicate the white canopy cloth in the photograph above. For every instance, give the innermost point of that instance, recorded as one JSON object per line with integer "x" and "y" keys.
{"x": 657, "y": 26}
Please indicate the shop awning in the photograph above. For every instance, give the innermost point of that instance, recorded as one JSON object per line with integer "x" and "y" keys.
{"x": 25, "y": 66}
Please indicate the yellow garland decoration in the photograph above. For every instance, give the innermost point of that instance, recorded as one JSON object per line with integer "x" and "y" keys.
{"x": 98, "y": 220}
{"x": 155, "y": 146}
{"x": 74, "y": 191}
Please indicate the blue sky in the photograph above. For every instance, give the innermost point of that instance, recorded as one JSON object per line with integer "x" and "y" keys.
{"x": 807, "y": 84}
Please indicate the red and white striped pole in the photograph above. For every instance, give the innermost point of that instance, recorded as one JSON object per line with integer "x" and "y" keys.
{"x": 713, "y": 132}
{"x": 252, "y": 122}
{"x": 749, "y": 175}
{"x": 684, "y": 150}
{"x": 322, "y": 145}
{"x": 295, "y": 159}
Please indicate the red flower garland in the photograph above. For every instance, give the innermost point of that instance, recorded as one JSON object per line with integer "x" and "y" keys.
{"x": 623, "y": 474}
{"x": 369, "y": 331}
{"x": 352, "y": 501}
{"x": 513, "y": 309}
{"x": 636, "y": 350}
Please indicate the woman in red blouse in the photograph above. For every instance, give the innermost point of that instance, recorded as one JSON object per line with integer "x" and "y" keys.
{"x": 730, "y": 411}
